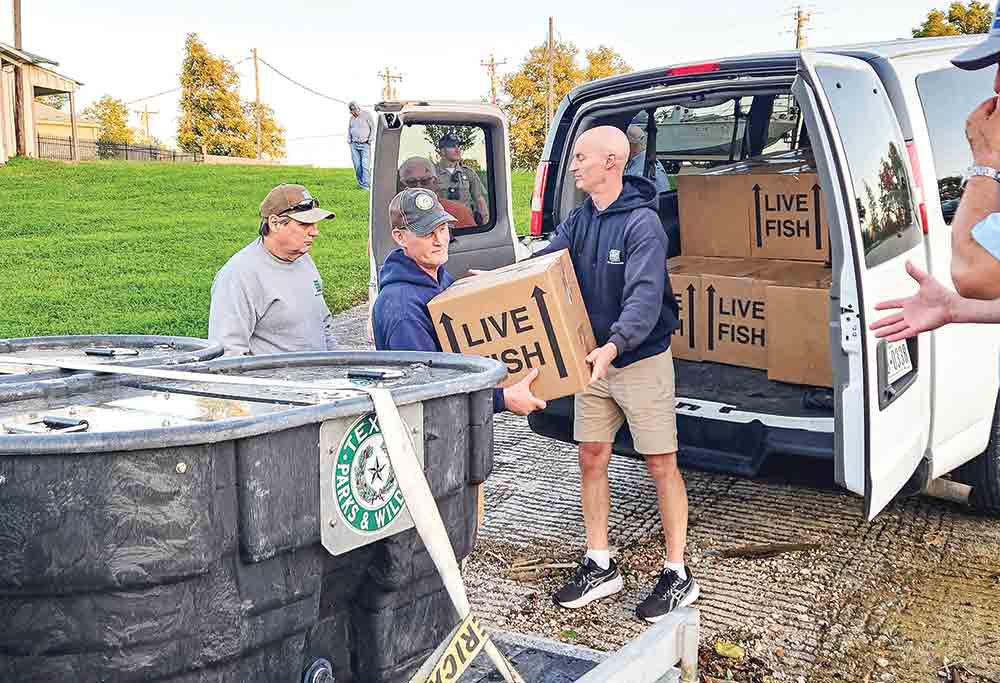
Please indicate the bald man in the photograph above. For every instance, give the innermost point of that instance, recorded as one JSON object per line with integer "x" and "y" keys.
{"x": 619, "y": 251}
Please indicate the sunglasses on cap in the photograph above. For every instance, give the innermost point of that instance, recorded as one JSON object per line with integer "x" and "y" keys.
{"x": 304, "y": 205}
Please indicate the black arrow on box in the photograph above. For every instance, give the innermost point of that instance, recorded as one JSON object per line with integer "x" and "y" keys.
{"x": 538, "y": 294}
{"x": 691, "y": 322}
{"x": 445, "y": 321}
{"x": 756, "y": 199}
{"x": 711, "y": 318}
{"x": 819, "y": 236}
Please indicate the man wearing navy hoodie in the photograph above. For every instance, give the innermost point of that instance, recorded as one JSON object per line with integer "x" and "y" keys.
{"x": 619, "y": 252}
{"x": 413, "y": 275}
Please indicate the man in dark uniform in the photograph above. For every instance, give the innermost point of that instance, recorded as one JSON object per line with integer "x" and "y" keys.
{"x": 459, "y": 182}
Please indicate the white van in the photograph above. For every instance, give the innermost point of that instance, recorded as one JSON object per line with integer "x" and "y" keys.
{"x": 860, "y": 109}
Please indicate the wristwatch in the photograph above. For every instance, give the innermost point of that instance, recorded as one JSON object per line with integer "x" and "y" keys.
{"x": 986, "y": 171}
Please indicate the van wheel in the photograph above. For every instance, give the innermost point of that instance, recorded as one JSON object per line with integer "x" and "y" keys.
{"x": 982, "y": 473}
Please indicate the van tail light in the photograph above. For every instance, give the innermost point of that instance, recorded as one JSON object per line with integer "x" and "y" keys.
{"x": 918, "y": 181}
{"x": 537, "y": 196}
{"x": 694, "y": 69}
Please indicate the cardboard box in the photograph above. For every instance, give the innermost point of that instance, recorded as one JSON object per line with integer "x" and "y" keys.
{"x": 685, "y": 281}
{"x": 754, "y": 209}
{"x": 798, "y": 322}
{"x": 527, "y": 315}
{"x": 711, "y": 222}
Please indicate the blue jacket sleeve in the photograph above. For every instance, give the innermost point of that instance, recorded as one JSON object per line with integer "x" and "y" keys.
{"x": 645, "y": 281}
{"x": 498, "y": 403}
{"x": 409, "y": 335}
{"x": 562, "y": 237}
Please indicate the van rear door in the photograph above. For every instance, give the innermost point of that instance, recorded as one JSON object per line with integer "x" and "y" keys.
{"x": 472, "y": 178}
{"x": 883, "y": 394}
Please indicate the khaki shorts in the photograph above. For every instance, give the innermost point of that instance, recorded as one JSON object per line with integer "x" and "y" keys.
{"x": 641, "y": 394}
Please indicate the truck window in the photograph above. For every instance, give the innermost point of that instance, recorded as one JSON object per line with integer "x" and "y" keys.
{"x": 875, "y": 159}
{"x": 948, "y": 97}
{"x": 452, "y": 161}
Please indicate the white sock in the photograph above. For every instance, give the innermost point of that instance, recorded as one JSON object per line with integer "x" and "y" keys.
{"x": 602, "y": 558}
{"x": 677, "y": 567}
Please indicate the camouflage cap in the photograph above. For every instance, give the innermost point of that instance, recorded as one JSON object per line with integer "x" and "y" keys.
{"x": 419, "y": 211}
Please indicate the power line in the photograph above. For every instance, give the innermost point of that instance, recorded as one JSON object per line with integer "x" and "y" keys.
{"x": 304, "y": 87}
{"x": 173, "y": 90}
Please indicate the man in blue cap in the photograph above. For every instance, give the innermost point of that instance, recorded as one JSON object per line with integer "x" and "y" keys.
{"x": 413, "y": 275}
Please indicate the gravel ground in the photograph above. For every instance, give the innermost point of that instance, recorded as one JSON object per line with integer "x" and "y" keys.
{"x": 912, "y": 596}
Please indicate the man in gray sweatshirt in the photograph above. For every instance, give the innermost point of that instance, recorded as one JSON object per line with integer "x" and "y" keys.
{"x": 268, "y": 298}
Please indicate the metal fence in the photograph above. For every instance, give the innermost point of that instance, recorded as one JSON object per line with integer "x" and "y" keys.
{"x": 62, "y": 149}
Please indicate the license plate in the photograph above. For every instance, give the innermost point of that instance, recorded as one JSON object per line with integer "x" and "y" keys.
{"x": 898, "y": 362}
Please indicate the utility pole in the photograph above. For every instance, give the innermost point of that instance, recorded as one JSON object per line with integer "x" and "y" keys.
{"x": 18, "y": 87}
{"x": 256, "y": 80}
{"x": 388, "y": 90}
{"x": 491, "y": 67}
{"x": 550, "y": 58}
{"x": 17, "y": 24}
{"x": 144, "y": 118}
{"x": 802, "y": 17}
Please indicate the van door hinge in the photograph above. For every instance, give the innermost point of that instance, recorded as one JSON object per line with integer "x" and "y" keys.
{"x": 850, "y": 330}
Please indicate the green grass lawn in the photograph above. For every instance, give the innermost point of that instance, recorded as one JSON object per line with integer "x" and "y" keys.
{"x": 116, "y": 247}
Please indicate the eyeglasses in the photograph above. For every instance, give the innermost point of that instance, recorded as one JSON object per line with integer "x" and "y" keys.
{"x": 423, "y": 181}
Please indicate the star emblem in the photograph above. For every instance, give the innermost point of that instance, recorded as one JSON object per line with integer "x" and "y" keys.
{"x": 376, "y": 471}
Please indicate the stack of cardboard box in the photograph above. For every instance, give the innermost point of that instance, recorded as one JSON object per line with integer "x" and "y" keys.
{"x": 753, "y": 284}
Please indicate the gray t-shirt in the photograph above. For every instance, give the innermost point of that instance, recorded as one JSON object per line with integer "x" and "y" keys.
{"x": 360, "y": 128}
{"x": 262, "y": 304}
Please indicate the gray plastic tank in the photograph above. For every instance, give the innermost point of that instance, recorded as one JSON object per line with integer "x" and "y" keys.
{"x": 116, "y": 349}
{"x": 174, "y": 530}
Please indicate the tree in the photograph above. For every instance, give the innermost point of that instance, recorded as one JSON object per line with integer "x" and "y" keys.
{"x": 112, "y": 117}
{"x": 525, "y": 92}
{"x": 213, "y": 119}
{"x": 272, "y": 135}
{"x": 57, "y": 101}
{"x": 961, "y": 19}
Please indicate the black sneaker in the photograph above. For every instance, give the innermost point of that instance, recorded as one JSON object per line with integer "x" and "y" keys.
{"x": 588, "y": 584}
{"x": 670, "y": 593}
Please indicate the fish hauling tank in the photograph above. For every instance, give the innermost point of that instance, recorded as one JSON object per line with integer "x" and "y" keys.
{"x": 241, "y": 524}
{"x": 111, "y": 349}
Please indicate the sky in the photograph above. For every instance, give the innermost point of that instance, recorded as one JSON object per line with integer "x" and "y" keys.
{"x": 133, "y": 49}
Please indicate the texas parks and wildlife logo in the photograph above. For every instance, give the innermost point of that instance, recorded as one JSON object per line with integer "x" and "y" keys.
{"x": 368, "y": 495}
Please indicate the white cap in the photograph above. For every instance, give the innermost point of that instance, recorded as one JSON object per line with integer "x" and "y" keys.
{"x": 984, "y": 54}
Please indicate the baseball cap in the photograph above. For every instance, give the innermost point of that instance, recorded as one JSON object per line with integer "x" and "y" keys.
{"x": 295, "y": 202}
{"x": 985, "y": 53}
{"x": 419, "y": 211}
{"x": 447, "y": 140}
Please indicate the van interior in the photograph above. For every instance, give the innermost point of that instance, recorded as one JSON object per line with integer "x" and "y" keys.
{"x": 738, "y": 161}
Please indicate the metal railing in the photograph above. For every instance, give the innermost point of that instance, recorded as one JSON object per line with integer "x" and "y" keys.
{"x": 62, "y": 149}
